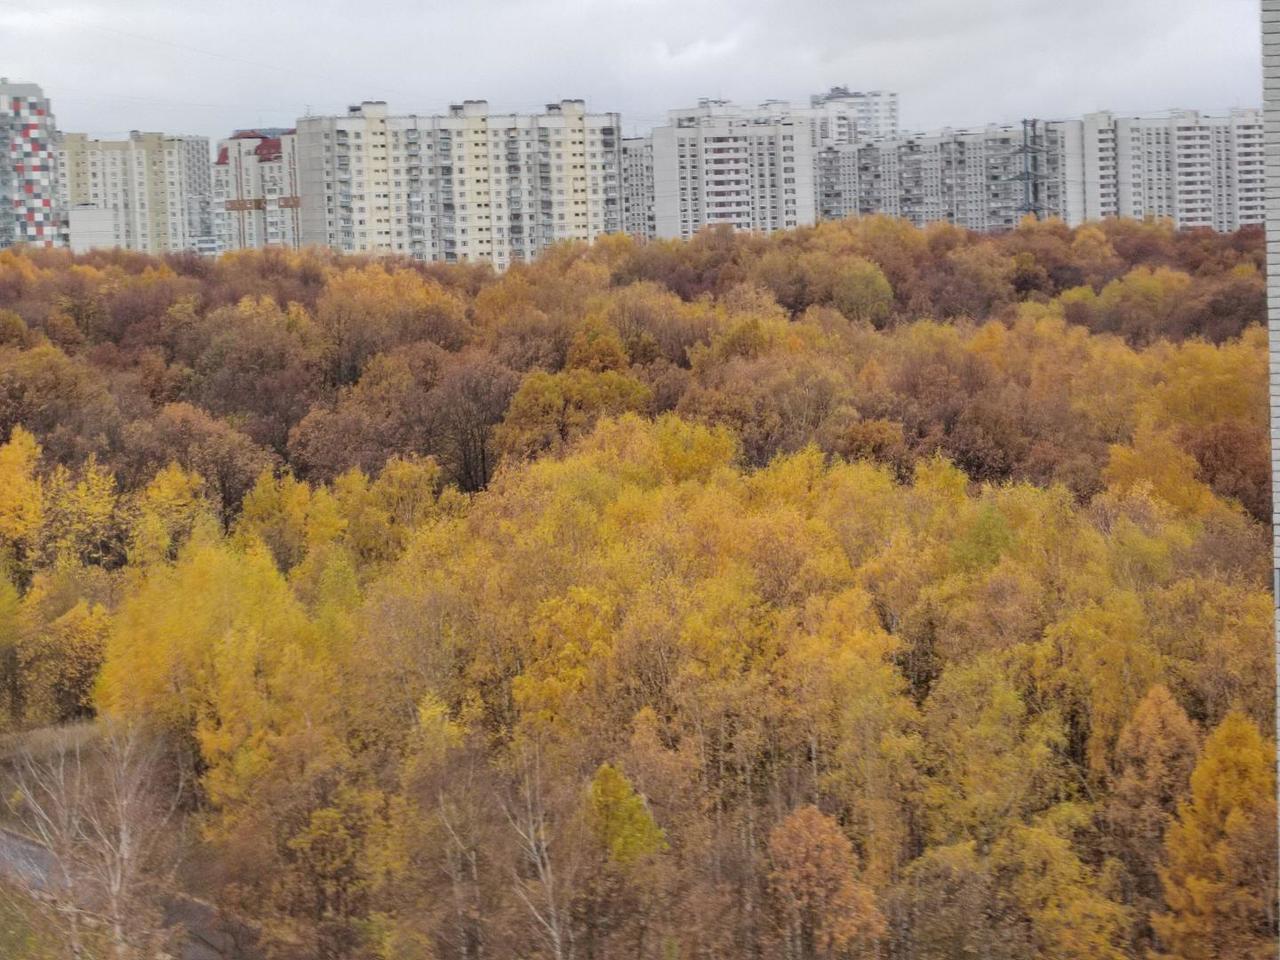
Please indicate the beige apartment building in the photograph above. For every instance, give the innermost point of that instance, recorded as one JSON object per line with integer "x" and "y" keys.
{"x": 465, "y": 185}
{"x": 151, "y": 191}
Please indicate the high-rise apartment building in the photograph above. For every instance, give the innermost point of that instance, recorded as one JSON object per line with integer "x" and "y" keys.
{"x": 30, "y": 211}
{"x": 1090, "y": 158}
{"x": 256, "y": 191}
{"x": 720, "y": 164}
{"x": 842, "y": 115}
{"x": 154, "y": 187}
{"x": 1195, "y": 169}
{"x": 466, "y": 185}
{"x": 976, "y": 179}
{"x": 637, "y": 187}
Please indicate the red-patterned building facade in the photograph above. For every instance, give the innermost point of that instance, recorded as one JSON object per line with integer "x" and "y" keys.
{"x": 30, "y": 210}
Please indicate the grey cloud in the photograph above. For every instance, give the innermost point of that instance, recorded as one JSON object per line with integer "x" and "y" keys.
{"x": 115, "y": 65}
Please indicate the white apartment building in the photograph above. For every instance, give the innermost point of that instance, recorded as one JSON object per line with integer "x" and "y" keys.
{"x": 256, "y": 191}
{"x": 30, "y": 209}
{"x": 842, "y": 115}
{"x": 1195, "y": 169}
{"x": 748, "y": 168}
{"x": 466, "y": 185}
{"x": 637, "y": 187}
{"x": 1090, "y": 168}
{"x": 156, "y": 186}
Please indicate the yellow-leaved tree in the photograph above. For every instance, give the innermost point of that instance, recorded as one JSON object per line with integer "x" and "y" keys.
{"x": 21, "y": 502}
{"x": 1220, "y": 874}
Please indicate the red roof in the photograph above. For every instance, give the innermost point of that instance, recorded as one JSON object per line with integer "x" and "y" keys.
{"x": 268, "y": 149}
{"x": 263, "y": 134}
{"x": 222, "y": 157}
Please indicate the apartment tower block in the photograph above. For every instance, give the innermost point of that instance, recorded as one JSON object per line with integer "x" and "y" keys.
{"x": 466, "y": 185}
{"x": 255, "y": 191}
{"x": 150, "y": 192}
{"x": 30, "y": 209}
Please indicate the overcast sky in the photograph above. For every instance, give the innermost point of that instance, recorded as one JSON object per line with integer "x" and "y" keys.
{"x": 209, "y": 66}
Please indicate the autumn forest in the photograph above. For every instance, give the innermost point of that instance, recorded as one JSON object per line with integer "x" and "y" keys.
{"x": 857, "y": 592}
